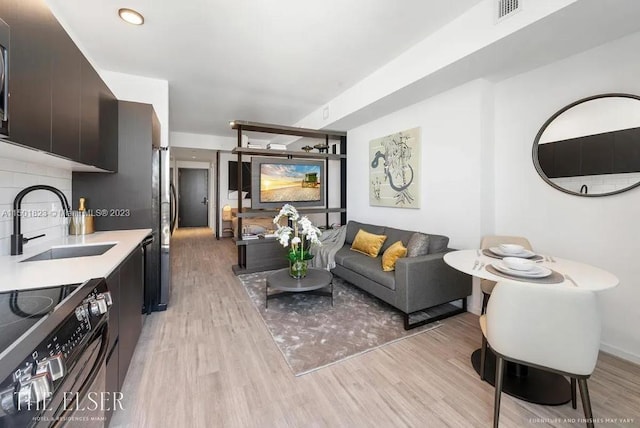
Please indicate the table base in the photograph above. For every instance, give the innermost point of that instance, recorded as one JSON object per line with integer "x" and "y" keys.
{"x": 289, "y": 293}
{"x": 526, "y": 383}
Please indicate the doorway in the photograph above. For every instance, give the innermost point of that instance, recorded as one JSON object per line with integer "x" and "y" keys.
{"x": 193, "y": 189}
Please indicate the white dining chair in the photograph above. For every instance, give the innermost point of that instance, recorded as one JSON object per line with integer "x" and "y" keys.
{"x": 487, "y": 242}
{"x": 549, "y": 327}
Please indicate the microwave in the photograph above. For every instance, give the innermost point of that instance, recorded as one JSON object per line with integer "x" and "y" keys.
{"x": 4, "y": 78}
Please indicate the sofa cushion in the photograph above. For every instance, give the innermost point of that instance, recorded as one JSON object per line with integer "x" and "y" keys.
{"x": 354, "y": 226}
{"x": 371, "y": 268}
{"x": 418, "y": 245}
{"x": 438, "y": 243}
{"x": 368, "y": 243}
{"x": 391, "y": 255}
{"x": 344, "y": 253}
{"x": 394, "y": 235}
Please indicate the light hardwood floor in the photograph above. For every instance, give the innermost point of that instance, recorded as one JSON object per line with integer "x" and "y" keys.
{"x": 209, "y": 361}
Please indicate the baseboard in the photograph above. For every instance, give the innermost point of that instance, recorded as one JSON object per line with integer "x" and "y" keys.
{"x": 620, "y": 353}
{"x": 474, "y": 309}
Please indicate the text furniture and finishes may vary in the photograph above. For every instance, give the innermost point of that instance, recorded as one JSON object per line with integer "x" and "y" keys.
{"x": 418, "y": 283}
{"x": 312, "y": 283}
{"x": 530, "y": 383}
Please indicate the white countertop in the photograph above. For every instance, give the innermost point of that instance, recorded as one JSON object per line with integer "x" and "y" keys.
{"x": 47, "y": 273}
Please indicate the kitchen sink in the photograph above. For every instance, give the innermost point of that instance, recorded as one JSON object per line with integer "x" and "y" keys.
{"x": 71, "y": 251}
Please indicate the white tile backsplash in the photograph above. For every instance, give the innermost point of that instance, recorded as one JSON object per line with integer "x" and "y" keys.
{"x": 598, "y": 183}
{"x": 15, "y": 175}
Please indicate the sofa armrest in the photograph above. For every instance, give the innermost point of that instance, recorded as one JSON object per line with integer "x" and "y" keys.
{"x": 426, "y": 281}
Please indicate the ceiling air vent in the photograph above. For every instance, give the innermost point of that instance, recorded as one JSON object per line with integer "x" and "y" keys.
{"x": 507, "y": 8}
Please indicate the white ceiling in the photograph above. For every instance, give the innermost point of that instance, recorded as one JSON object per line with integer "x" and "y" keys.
{"x": 269, "y": 61}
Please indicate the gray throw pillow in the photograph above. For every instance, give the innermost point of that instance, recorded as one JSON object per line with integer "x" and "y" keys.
{"x": 418, "y": 245}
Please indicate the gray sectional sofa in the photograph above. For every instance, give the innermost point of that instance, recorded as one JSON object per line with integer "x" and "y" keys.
{"x": 418, "y": 283}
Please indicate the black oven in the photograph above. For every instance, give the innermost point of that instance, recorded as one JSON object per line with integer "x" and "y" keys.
{"x": 4, "y": 79}
{"x": 52, "y": 371}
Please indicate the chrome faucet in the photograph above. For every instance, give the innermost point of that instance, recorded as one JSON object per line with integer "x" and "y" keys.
{"x": 17, "y": 240}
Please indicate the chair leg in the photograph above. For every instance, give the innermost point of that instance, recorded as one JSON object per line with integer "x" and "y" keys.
{"x": 574, "y": 403}
{"x": 485, "y": 302}
{"x": 499, "y": 377}
{"x": 586, "y": 401}
{"x": 483, "y": 357}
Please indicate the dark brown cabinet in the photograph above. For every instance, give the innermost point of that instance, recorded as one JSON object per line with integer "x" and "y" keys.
{"x": 29, "y": 72}
{"x": 108, "y": 129}
{"x": 112, "y": 377}
{"x": 613, "y": 152}
{"x": 58, "y": 103}
{"x": 111, "y": 385}
{"x": 65, "y": 99}
{"x": 131, "y": 317}
{"x": 90, "y": 115}
{"x": 125, "y": 322}
{"x": 626, "y": 153}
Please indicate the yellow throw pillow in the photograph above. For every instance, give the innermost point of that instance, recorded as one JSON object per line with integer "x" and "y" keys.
{"x": 391, "y": 255}
{"x": 368, "y": 243}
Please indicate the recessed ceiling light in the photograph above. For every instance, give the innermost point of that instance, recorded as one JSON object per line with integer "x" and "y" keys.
{"x": 131, "y": 16}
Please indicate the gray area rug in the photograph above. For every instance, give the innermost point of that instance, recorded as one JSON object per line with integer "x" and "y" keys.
{"x": 311, "y": 334}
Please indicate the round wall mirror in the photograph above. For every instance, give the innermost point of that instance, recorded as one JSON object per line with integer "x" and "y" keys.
{"x": 592, "y": 146}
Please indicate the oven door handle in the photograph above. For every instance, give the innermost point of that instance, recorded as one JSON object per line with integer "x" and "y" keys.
{"x": 84, "y": 389}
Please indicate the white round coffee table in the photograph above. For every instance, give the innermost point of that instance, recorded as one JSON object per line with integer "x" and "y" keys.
{"x": 313, "y": 283}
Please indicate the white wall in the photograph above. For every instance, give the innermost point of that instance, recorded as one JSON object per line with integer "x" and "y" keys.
{"x": 15, "y": 175}
{"x": 478, "y": 176}
{"x": 210, "y": 142}
{"x": 599, "y": 231}
{"x": 202, "y": 141}
{"x": 453, "y": 182}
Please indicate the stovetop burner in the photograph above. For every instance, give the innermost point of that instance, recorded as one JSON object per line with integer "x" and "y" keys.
{"x": 25, "y": 307}
{"x": 19, "y": 310}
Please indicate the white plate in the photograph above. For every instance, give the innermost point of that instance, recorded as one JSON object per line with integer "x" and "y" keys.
{"x": 525, "y": 254}
{"x": 536, "y": 272}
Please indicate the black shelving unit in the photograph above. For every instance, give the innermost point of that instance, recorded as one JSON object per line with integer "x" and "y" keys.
{"x": 257, "y": 254}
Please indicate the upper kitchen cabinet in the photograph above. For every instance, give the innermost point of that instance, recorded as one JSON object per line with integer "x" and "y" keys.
{"x": 58, "y": 103}
{"x": 66, "y": 84}
{"x": 108, "y": 128}
{"x": 98, "y": 120}
{"x": 29, "y": 72}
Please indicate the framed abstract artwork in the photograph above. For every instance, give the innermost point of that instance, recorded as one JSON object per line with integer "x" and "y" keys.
{"x": 394, "y": 170}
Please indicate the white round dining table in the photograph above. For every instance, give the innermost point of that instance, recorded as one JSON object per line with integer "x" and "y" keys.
{"x": 575, "y": 274}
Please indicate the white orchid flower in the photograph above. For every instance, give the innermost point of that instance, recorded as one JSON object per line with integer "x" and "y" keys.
{"x": 284, "y": 234}
{"x": 287, "y": 211}
{"x": 302, "y": 225}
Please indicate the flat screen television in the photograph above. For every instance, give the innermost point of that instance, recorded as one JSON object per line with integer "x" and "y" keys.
{"x": 276, "y": 182}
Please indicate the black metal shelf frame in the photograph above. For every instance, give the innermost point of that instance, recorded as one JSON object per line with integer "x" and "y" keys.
{"x": 327, "y": 135}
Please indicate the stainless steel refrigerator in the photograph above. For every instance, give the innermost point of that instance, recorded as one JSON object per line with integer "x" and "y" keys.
{"x": 141, "y": 189}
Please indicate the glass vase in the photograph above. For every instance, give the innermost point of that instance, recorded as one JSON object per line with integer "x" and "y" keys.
{"x": 298, "y": 268}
